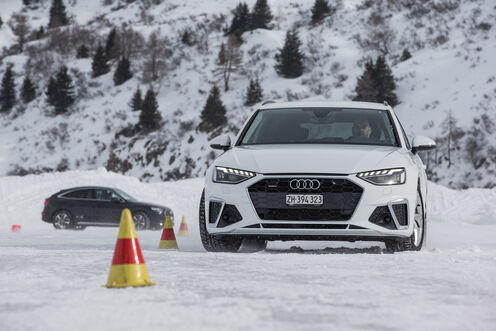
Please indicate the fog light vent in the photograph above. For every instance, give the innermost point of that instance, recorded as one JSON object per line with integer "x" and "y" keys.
{"x": 230, "y": 215}
{"x": 382, "y": 217}
{"x": 400, "y": 211}
{"x": 214, "y": 211}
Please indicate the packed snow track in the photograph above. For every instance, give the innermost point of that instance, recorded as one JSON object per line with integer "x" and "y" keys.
{"x": 51, "y": 278}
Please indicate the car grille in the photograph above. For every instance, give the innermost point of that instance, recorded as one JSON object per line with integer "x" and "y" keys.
{"x": 341, "y": 197}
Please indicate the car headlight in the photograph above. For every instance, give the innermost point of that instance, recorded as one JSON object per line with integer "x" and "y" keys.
{"x": 157, "y": 210}
{"x": 393, "y": 176}
{"x": 231, "y": 176}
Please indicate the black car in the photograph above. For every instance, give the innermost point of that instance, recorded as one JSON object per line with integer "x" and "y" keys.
{"x": 78, "y": 207}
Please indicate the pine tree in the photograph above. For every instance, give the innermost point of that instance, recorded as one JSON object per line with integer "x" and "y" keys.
{"x": 214, "y": 112}
{"x": 28, "y": 91}
{"x": 384, "y": 81}
{"x": 377, "y": 83}
{"x": 112, "y": 47}
{"x": 289, "y": 60}
{"x": 83, "y": 52}
{"x": 60, "y": 91}
{"x": 366, "y": 89}
{"x": 320, "y": 10}
{"x": 137, "y": 101}
{"x": 7, "y": 91}
{"x": 40, "y": 33}
{"x": 150, "y": 118}
{"x": 254, "y": 93}
{"x": 58, "y": 16}
{"x": 99, "y": 64}
{"x": 122, "y": 73}
{"x": 261, "y": 15}
{"x": 240, "y": 23}
{"x": 1, "y": 23}
{"x": 405, "y": 55}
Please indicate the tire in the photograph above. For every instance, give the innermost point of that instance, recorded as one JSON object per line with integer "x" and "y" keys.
{"x": 62, "y": 220}
{"x": 141, "y": 221}
{"x": 215, "y": 243}
{"x": 416, "y": 241}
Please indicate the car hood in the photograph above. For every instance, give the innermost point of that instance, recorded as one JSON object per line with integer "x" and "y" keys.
{"x": 335, "y": 159}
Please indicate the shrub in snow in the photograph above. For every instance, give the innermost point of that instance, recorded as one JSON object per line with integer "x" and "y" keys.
{"x": 214, "y": 112}
{"x": 7, "y": 91}
{"x": 289, "y": 60}
{"x": 405, "y": 55}
{"x": 228, "y": 60}
{"x": 19, "y": 25}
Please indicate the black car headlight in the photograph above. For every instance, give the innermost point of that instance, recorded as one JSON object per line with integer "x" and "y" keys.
{"x": 231, "y": 176}
{"x": 157, "y": 210}
{"x": 394, "y": 176}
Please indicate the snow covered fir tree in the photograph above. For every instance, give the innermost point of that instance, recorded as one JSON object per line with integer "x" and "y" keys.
{"x": 403, "y": 53}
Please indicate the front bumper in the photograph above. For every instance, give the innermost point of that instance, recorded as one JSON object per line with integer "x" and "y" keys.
{"x": 356, "y": 226}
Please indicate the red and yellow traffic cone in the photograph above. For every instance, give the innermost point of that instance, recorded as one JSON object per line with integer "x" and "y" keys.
{"x": 183, "y": 228}
{"x": 168, "y": 239}
{"x": 128, "y": 266}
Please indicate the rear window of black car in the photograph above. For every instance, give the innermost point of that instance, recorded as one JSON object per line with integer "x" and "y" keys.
{"x": 80, "y": 194}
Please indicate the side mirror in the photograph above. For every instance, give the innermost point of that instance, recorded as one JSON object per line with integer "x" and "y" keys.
{"x": 221, "y": 142}
{"x": 421, "y": 143}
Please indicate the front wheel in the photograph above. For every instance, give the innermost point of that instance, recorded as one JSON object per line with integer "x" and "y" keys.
{"x": 217, "y": 243}
{"x": 141, "y": 221}
{"x": 416, "y": 240}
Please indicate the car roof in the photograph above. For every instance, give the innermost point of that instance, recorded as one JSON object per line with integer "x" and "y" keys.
{"x": 326, "y": 104}
{"x": 87, "y": 188}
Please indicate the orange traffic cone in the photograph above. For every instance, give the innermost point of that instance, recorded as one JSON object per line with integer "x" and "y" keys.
{"x": 128, "y": 266}
{"x": 168, "y": 239}
{"x": 183, "y": 229}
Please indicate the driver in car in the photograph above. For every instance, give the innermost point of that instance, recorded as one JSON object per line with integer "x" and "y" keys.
{"x": 361, "y": 129}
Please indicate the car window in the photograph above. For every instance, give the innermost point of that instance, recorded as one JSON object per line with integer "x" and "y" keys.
{"x": 80, "y": 194}
{"x": 105, "y": 195}
{"x": 321, "y": 126}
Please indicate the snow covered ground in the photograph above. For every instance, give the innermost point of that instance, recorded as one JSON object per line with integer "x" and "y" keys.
{"x": 52, "y": 280}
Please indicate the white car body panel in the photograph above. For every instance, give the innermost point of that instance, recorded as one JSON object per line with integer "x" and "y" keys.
{"x": 318, "y": 161}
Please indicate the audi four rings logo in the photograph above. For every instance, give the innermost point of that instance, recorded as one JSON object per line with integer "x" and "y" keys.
{"x": 304, "y": 184}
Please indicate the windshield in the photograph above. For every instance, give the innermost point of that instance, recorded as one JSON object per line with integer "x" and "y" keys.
{"x": 321, "y": 126}
{"x": 125, "y": 196}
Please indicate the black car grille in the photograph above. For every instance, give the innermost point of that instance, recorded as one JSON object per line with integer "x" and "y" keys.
{"x": 341, "y": 197}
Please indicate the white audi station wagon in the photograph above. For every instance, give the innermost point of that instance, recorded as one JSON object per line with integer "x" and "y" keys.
{"x": 316, "y": 171}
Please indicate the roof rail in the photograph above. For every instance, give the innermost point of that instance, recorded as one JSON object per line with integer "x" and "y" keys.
{"x": 386, "y": 103}
{"x": 267, "y": 102}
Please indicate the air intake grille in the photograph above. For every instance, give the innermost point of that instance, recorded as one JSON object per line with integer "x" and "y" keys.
{"x": 214, "y": 211}
{"x": 341, "y": 197}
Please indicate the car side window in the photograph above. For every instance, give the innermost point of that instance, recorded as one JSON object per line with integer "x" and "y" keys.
{"x": 103, "y": 195}
{"x": 80, "y": 194}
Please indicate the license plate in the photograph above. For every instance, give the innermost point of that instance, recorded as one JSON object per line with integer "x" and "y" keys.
{"x": 304, "y": 199}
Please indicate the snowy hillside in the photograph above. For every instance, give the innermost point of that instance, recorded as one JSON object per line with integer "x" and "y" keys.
{"x": 54, "y": 277}
{"x": 447, "y": 89}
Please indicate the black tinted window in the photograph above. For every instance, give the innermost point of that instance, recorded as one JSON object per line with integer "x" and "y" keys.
{"x": 80, "y": 194}
{"x": 321, "y": 126}
{"x": 103, "y": 194}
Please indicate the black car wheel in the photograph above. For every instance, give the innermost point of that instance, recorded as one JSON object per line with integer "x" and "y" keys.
{"x": 141, "y": 221}
{"x": 216, "y": 243}
{"x": 62, "y": 220}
